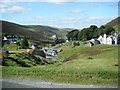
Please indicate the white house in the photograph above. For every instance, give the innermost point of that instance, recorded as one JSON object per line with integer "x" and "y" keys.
{"x": 11, "y": 38}
{"x": 95, "y": 41}
{"x": 54, "y": 37}
{"x": 5, "y": 38}
{"x": 34, "y": 46}
{"x": 109, "y": 39}
{"x": 67, "y": 40}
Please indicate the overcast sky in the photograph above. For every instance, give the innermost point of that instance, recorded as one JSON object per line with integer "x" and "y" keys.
{"x": 59, "y": 13}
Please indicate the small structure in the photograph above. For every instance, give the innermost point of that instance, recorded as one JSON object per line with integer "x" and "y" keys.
{"x": 95, "y": 41}
{"x": 67, "y": 41}
{"x": 59, "y": 50}
{"x": 34, "y": 47}
{"x": 91, "y": 44}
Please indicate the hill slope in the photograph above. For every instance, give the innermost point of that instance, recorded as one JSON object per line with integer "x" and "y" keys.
{"x": 97, "y": 65}
{"x": 114, "y": 23}
{"x": 36, "y": 32}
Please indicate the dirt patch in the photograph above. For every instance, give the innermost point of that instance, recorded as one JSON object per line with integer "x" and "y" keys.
{"x": 95, "y": 52}
{"x": 72, "y": 57}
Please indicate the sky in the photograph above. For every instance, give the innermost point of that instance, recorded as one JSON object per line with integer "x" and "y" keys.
{"x": 61, "y": 14}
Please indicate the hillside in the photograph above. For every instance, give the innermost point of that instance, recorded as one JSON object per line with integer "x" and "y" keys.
{"x": 97, "y": 65}
{"x": 114, "y": 23}
{"x": 24, "y": 59}
{"x": 36, "y": 32}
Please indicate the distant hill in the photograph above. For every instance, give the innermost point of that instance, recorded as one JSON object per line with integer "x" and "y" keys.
{"x": 70, "y": 29}
{"x": 114, "y": 23}
{"x": 36, "y": 32}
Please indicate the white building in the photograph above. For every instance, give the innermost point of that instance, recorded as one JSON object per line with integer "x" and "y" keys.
{"x": 67, "y": 40}
{"x": 109, "y": 39}
{"x": 34, "y": 46}
{"x": 95, "y": 41}
{"x": 11, "y": 38}
{"x": 54, "y": 37}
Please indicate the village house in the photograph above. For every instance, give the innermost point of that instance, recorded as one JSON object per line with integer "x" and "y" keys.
{"x": 110, "y": 39}
{"x": 113, "y": 39}
{"x": 11, "y": 38}
{"x": 67, "y": 41}
{"x": 34, "y": 47}
{"x": 50, "y": 51}
{"x": 95, "y": 41}
{"x": 54, "y": 37}
{"x": 35, "y": 52}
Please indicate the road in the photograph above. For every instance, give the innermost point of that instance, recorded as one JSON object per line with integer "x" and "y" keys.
{"x": 12, "y": 52}
{"x": 14, "y": 85}
{"x": 37, "y": 83}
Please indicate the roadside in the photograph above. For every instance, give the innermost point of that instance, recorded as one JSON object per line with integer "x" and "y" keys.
{"x": 37, "y": 83}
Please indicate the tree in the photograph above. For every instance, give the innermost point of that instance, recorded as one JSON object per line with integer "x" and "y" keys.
{"x": 69, "y": 34}
{"x": 24, "y": 43}
{"x": 85, "y": 35}
{"x": 106, "y": 30}
{"x": 88, "y": 33}
{"x": 93, "y": 27}
{"x": 74, "y": 44}
{"x": 80, "y": 35}
{"x": 101, "y": 30}
{"x": 109, "y": 30}
{"x": 77, "y": 44}
{"x": 75, "y": 34}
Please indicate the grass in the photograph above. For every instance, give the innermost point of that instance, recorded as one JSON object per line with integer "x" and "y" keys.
{"x": 24, "y": 59}
{"x": 11, "y": 47}
{"x": 76, "y": 65}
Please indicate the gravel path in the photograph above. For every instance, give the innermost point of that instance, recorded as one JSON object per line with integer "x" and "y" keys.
{"x": 37, "y": 83}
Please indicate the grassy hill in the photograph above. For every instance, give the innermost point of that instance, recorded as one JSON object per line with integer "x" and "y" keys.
{"x": 24, "y": 59}
{"x": 97, "y": 65}
{"x": 115, "y": 23}
{"x": 36, "y": 32}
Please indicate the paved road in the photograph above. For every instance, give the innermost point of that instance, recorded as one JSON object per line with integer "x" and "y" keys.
{"x": 14, "y": 85}
{"x": 36, "y": 83}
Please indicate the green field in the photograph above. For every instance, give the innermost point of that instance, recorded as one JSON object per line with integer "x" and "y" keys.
{"x": 11, "y": 47}
{"x": 97, "y": 65}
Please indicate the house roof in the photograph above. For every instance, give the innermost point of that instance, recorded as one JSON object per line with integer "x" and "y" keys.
{"x": 30, "y": 51}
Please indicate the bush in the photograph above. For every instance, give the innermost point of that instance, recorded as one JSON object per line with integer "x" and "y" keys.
{"x": 77, "y": 44}
{"x": 25, "y": 43}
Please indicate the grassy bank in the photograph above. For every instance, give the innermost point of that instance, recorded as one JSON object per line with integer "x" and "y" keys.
{"x": 97, "y": 65}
